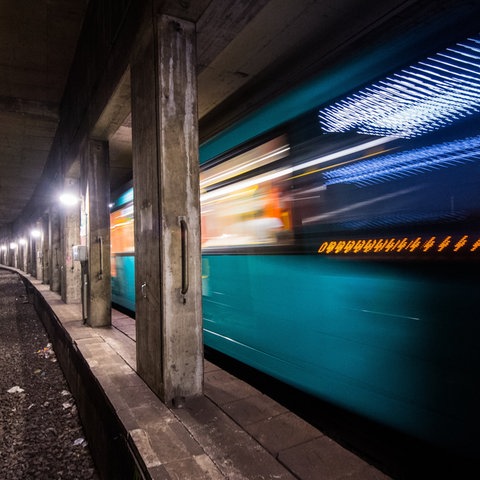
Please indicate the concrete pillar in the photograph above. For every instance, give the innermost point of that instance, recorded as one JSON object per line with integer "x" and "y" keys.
{"x": 32, "y": 256}
{"x": 19, "y": 254}
{"x": 5, "y": 247}
{"x": 54, "y": 249}
{"x": 12, "y": 255}
{"x": 70, "y": 277}
{"x": 45, "y": 250}
{"x": 22, "y": 254}
{"x": 99, "y": 309}
{"x": 167, "y": 213}
{"x": 38, "y": 241}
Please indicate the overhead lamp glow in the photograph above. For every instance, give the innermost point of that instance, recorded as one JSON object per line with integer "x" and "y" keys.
{"x": 3, "y": 248}
{"x": 22, "y": 241}
{"x": 13, "y": 245}
{"x": 69, "y": 199}
{"x": 36, "y": 233}
{"x": 422, "y": 98}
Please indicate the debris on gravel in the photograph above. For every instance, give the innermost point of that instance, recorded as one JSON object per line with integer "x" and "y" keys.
{"x": 41, "y": 435}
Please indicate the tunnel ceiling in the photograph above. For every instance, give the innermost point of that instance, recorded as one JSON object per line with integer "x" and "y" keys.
{"x": 247, "y": 51}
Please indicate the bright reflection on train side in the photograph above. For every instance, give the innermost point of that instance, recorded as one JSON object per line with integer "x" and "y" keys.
{"x": 264, "y": 154}
{"x": 294, "y": 168}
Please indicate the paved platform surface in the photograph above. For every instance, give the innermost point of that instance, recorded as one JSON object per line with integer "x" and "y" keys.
{"x": 231, "y": 432}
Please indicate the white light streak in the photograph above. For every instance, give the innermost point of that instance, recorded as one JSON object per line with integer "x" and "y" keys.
{"x": 403, "y": 164}
{"x": 259, "y": 179}
{"x": 423, "y": 98}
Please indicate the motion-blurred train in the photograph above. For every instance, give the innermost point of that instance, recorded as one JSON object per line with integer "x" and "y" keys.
{"x": 341, "y": 244}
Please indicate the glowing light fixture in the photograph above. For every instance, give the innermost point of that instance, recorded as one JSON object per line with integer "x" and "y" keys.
{"x": 22, "y": 241}
{"x": 403, "y": 164}
{"x": 36, "y": 233}
{"x": 422, "y": 98}
{"x": 3, "y": 248}
{"x": 69, "y": 199}
{"x": 13, "y": 245}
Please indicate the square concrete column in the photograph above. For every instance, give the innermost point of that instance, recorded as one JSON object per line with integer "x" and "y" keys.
{"x": 45, "y": 250}
{"x": 31, "y": 257}
{"x": 167, "y": 212}
{"x": 13, "y": 255}
{"x": 71, "y": 280}
{"x": 54, "y": 248}
{"x": 38, "y": 245}
{"x": 99, "y": 297}
{"x": 22, "y": 254}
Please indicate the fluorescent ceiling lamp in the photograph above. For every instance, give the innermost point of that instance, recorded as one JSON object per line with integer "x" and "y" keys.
{"x": 422, "y": 98}
{"x": 69, "y": 199}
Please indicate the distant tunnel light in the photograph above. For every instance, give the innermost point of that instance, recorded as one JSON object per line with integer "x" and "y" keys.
{"x": 13, "y": 245}
{"x": 36, "y": 233}
{"x": 22, "y": 241}
{"x": 422, "y": 98}
{"x": 3, "y": 248}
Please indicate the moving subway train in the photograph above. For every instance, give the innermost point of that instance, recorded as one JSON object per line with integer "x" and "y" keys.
{"x": 340, "y": 247}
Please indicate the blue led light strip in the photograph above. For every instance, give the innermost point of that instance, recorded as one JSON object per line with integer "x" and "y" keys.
{"x": 403, "y": 164}
{"x": 422, "y": 98}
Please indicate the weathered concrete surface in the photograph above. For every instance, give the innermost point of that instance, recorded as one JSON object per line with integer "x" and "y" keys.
{"x": 99, "y": 296}
{"x": 167, "y": 212}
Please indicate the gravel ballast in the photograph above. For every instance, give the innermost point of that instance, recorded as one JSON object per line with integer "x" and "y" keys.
{"x": 41, "y": 435}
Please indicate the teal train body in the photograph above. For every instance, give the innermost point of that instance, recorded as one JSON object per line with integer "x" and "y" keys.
{"x": 346, "y": 263}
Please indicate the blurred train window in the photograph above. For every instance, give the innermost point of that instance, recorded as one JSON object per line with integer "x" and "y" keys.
{"x": 121, "y": 234}
{"x": 240, "y": 208}
{"x": 121, "y": 224}
{"x": 409, "y": 186}
{"x": 409, "y": 197}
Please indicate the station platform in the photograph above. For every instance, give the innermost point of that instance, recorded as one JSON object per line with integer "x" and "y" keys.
{"x": 232, "y": 432}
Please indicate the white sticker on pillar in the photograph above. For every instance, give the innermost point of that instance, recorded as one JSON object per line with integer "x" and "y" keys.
{"x": 146, "y": 218}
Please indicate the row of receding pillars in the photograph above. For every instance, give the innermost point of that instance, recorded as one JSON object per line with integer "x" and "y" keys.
{"x": 167, "y": 219}
{"x": 43, "y": 252}
{"x": 25, "y": 253}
